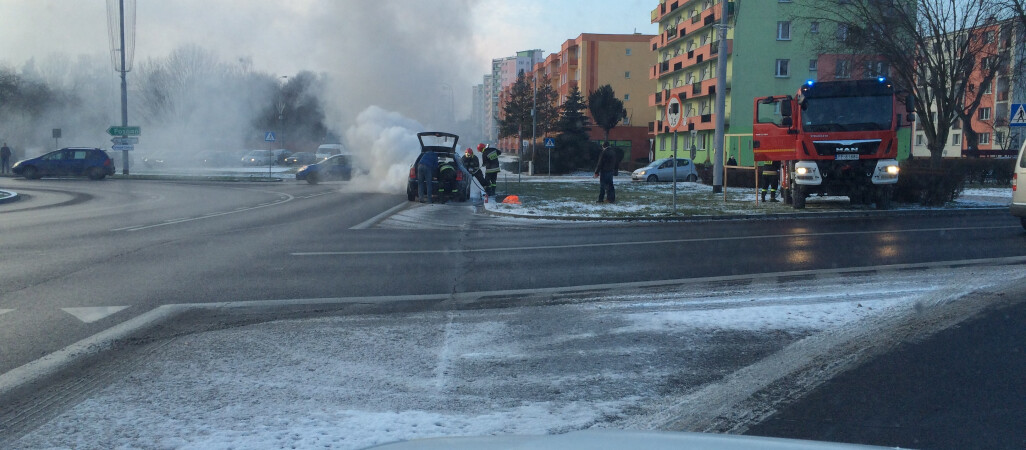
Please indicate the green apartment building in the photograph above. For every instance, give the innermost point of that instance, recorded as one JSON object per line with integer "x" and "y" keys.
{"x": 768, "y": 54}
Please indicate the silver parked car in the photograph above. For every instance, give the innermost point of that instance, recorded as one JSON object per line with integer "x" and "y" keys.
{"x": 662, "y": 170}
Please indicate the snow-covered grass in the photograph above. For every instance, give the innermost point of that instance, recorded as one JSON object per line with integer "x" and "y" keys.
{"x": 575, "y": 195}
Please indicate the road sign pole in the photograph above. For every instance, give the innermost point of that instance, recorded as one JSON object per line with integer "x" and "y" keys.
{"x": 675, "y": 172}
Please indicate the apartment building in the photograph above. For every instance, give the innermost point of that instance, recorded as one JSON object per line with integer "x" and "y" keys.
{"x": 769, "y": 52}
{"x": 996, "y": 134}
{"x": 593, "y": 60}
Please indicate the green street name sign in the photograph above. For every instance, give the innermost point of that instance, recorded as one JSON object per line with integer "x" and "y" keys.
{"x": 115, "y": 130}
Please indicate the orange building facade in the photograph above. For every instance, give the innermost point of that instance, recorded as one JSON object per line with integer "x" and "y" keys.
{"x": 593, "y": 60}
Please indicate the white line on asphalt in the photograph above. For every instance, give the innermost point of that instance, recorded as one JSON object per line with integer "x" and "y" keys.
{"x": 656, "y": 242}
{"x": 207, "y": 216}
{"x": 93, "y": 313}
{"x": 103, "y": 340}
{"x": 5, "y": 311}
{"x": 378, "y": 218}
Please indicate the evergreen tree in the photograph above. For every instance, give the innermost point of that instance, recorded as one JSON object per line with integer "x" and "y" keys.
{"x": 573, "y": 149}
{"x": 606, "y": 109}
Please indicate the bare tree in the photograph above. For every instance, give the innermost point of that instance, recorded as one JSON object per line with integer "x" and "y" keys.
{"x": 940, "y": 51}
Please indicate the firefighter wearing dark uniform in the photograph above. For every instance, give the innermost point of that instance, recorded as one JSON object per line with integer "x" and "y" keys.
{"x": 770, "y": 174}
{"x": 473, "y": 166}
{"x": 447, "y": 178}
{"x": 490, "y": 155}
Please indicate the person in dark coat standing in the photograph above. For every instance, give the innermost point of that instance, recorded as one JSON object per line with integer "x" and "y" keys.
{"x": 426, "y": 169}
{"x": 605, "y": 170}
{"x": 5, "y": 159}
{"x": 473, "y": 166}
{"x": 490, "y": 155}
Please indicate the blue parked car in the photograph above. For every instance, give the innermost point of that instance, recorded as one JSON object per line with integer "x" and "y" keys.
{"x": 74, "y": 161}
{"x": 338, "y": 167}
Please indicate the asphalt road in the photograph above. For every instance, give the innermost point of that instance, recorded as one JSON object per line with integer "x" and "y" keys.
{"x": 118, "y": 248}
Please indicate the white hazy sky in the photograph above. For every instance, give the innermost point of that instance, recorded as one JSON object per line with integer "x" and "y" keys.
{"x": 274, "y": 33}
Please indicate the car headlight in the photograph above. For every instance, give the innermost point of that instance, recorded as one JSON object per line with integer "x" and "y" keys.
{"x": 801, "y": 170}
{"x": 303, "y": 168}
{"x": 893, "y": 170}
{"x": 641, "y": 172}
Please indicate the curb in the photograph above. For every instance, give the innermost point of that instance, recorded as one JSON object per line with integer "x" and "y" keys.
{"x": 10, "y": 197}
{"x": 772, "y": 216}
{"x": 215, "y": 178}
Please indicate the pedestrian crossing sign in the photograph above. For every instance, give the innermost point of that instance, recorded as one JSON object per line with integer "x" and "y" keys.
{"x": 550, "y": 142}
{"x": 1018, "y": 118}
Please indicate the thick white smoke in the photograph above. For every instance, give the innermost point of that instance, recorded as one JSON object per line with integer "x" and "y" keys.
{"x": 384, "y": 143}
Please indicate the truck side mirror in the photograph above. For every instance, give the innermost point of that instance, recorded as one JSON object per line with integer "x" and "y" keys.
{"x": 785, "y": 107}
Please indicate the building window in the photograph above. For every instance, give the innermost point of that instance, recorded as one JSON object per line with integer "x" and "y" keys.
{"x": 984, "y": 138}
{"x": 957, "y": 124}
{"x": 783, "y": 69}
{"x": 814, "y": 27}
{"x": 784, "y": 31}
{"x": 989, "y": 89}
{"x": 842, "y": 32}
{"x": 999, "y": 137}
{"x": 626, "y": 97}
{"x": 919, "y": 139}
{"x": 813, "y": 65}
{"x": 876, "y": 69}
{"x": 627, "y": 74}
{"x": 843, "y": 69}
{"x": 628, "y": 52}
{"x": 956, "y": 139}
{"x": 983, "y": 114}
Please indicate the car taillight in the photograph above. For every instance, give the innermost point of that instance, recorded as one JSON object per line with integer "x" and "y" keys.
{"x": 1015, "y": 179}
{"x": 107, "y": 162}
{"x": 459, "y": 176}
{"x": 413, "y": 173}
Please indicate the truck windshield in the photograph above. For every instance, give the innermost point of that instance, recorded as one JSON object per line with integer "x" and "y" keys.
{"x": 848, "y": 113}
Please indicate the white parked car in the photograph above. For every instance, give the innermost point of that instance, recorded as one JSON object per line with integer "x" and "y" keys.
{"x": 1018, "y": 206}
{"x": 327, "y": 151}
{"x": 662, "y": 170}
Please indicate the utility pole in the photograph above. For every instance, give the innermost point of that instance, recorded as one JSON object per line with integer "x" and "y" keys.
{"x": 124, "y": 82}
{"x": 534, "y": 117}
{"x": 721, "y": 97}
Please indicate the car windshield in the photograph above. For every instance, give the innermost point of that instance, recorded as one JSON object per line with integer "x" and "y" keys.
{"x": 570, "y": 224}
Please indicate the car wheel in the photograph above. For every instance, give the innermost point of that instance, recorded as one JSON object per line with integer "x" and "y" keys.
{"x": 312, "y": 178}
{"x": 410, "y": 195}
{"x": 97, "y": 174}
{"x": 883, "y": 197}
{"x": 692, "y": 178}
{"x": 30, "y": 173}
{"x": 652, "y": 179}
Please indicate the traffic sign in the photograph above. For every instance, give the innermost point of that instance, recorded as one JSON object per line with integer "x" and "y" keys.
{"x": 673, "y": 112}
{"x": 269, "y": 137}
{"x": 550, "y": 143}
{"x": 1018, "y": 118}
{"x": 122, "y": 147}
{"x": 125, "y": 140}
{"x": 115, "y": 130}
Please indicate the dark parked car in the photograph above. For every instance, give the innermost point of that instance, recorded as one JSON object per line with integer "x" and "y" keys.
{"x": 73, "y": 161}
{"x": 338, "y": 167}
{"x": 299, "y": 158}
{"x": 443, "y": 144}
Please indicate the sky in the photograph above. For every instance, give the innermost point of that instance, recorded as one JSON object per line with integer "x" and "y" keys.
{"x": 449, "y": 42}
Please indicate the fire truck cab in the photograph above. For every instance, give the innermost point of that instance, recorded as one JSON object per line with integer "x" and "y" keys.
{"x": 832, "y": 138}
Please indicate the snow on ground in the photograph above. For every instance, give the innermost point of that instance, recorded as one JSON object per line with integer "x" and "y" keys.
{"x": 355, "y": 381}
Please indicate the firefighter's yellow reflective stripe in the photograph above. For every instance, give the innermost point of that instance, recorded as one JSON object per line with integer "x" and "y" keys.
{"x": 775, "y": 150}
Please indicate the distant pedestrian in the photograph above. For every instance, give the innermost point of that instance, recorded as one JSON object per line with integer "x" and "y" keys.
{"x": 490, "y": 155}
{"x": 426, "y": 169}
{"x": 607, "y": 167}
{"x": 5, "y": 159}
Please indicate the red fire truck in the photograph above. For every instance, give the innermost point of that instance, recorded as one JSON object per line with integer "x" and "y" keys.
{"x": 832, "y": 138}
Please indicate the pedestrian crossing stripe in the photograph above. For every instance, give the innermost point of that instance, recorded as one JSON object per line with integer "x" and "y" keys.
{"x": 93, "y": 314}
{"x": 1018, "y": 115}
{"x": 5, "y": 311}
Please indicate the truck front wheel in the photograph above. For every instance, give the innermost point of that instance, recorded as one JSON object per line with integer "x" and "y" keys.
{"x": 883, "y": 197}
{"x": 798, "y": 194}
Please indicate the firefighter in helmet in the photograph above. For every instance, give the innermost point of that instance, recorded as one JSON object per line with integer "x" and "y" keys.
{"x": 473, "y": 166}
{"x": 490, "y": 155}
{"x": 769, "y": 172}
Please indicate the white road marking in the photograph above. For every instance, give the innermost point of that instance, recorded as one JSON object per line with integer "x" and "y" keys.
{"x": 92, "y": 314}
{"x": 378, "y": 218}
{"x": 5, "y": 311}
{"x": 207, "y": 216}
{"x": 629, "y": 243}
